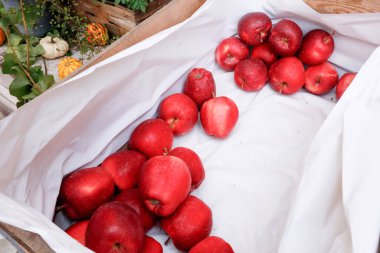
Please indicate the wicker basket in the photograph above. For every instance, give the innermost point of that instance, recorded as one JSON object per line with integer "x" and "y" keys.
{"x": 117, "y": 19}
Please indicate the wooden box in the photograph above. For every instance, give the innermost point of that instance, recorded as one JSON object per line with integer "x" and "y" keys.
{"x": 118, "y": 19}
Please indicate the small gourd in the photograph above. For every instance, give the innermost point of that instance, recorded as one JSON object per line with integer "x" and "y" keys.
{"x": 97, "y": 34}
{"x": 68, "y": 65}
{"x": 54, "y": 47}
{"x": 2, "y": 37}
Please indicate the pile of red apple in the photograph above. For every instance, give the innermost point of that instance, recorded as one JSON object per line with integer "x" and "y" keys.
{"x": 281, "y": 56}
{"x": 116, "y": 203}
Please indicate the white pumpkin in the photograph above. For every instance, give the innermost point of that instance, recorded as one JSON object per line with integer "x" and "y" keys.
{"x": 54, "y": 47}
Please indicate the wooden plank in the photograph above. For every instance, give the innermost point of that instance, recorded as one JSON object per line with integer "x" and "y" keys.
{"x": 26, "y": 241}
{"x": 171, "y": 14}
{"x": 344, "y": 6}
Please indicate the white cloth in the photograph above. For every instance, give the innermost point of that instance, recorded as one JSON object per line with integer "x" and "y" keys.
{"x": 297, "y": 174}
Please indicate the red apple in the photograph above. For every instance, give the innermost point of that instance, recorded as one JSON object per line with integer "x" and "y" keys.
{"x": 78, "y": 231}
{"x": 317, "y": 46}
{"x": 200, "y": 86}
{"x": 321, "y": 78}
{"x": 251, "y": 74}
{"x": 194, "y": 164}
{"x": 189, "y": 224}
{"x": 83, "y": 191}
{"x": 212, "y": 244}
{"x": 152, "y": 137}
{"x": 285, "y": 37}
{"x": 343, "y": 84}
{"x": 180, "y": 112}
{"x": 287, "y": 75}
{"x": 151, "y": 246}
{"x": 124, "y": 166}
{"x": 164, "y": 182}
{"x": 115, "y": 227}
{"x": 133, "y": 199}
{"x": 254, "y": 28}
{"x": 265, "y": 53}
{"x": 230, "y": 52}
{"x": 219, "y": 116}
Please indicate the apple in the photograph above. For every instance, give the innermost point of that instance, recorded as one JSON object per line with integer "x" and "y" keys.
{"x": 151, "y": 246}
{"x": 254, "y": 28}
{"x": 180, "y": 112}
{"x": 230, "y": 52}
{"x": 164, "y": 182}
{"x": 115, "y": 227}
{"x": 265, "y": 53}
{"x": 152, "y": 137}
{"x": 219, "y": 116}
{"x": 287, "y": 75}
{"x": 83, "y": 191}
{"x": 317, "y": 46}
{"x": 78, "y": 231}
{"x": 200, "y": 86}
{"x": 212, "y": 244}
{"x": 343, "y": 83}
{"x": 321, "y": 78}
{"x": 189, "y": 224}
{"x": 133, "y": 199}
{"x": 251, "y": 74}
{"x": 124, "y": 167}
{"x": 285, "y": 37}
{"x": 194, "y": 164}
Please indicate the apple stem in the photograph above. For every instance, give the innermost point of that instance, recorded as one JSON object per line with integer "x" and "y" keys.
{"x": 332, "y": 33}
{"x": 167, "y": 241}
{"x": 213, "y": 94}
{"x": 166, "y": 151}
{"x": 242, "y": 84}
{"x": 172, "y": 123}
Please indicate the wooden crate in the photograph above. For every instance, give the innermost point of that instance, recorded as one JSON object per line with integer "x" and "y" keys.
{"x": 118, "y": 19}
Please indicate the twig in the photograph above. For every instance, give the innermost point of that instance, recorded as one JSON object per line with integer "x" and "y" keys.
{"x": 59, "y": 7}
{"x": 34, "y": 84}
{"x": 46, "y": 71}
{"x": 26, "y": 34}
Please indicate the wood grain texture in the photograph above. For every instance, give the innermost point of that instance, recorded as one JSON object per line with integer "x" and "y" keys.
{"x": 27, "y": 241}
{"x": 344, "y": 6}
{"x": 171, "y": 14}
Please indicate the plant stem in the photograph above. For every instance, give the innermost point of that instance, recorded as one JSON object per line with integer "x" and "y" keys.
{"x": 34, "y": 84}
{"x": 26, "y": 34}
{"x": 46, "y": 71}
{"x": 59, "y": 7}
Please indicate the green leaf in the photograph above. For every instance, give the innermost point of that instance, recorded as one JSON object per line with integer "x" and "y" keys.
{"x": 20, "y": 52}
{"x": 34, "y": 40}
{"x": 8, "y": 64}
{"x": 20, "y": 86}
{"x": 117, "y": 2}
{"x": 135, "y": 5}
{"x": 20, "y": 103}
{"x": 37, "y": 50}
{"x": 15, "y": 39}
{"x": 36, "y": 73}
{"x": 29, "y": 96}
{"x": 13, "y": 17}
{"x": 45, "y": 82}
